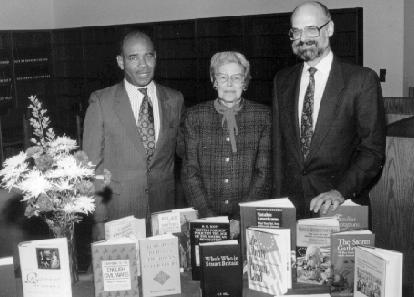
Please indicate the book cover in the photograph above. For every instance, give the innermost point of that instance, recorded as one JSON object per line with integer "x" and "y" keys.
{"x": 126, "y": 227}
{"x": 45, "y": 268}
{"x": 343, "y": 259}
{"x": 177, "y": 222}
{"x": 7, "y": 280}
{"x": 160, "y": 265}
{"x": 115, "y": 268}
{"x": 378, "y": 272}
{"x": 268, "y": 260}
{"x": 206, "y": 230}
{"x": 313, "y": 248}
{"x": 351, "y": 215}
{"x": 221, "y": 269}
{"x": 268, "y": 213}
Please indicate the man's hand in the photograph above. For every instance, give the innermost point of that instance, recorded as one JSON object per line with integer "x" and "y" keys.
{"x": 234, "y": 229}
{"x": 98, "y": 231}
{"x": 324, "y": 201}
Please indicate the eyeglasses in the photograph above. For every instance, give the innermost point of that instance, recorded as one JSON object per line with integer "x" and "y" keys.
{"x": 235, "y": 79}
{"x": 309, "y": 31}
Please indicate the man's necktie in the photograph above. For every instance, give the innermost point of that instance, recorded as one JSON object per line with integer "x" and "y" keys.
{"x": 306, "y": 128}
{"x": 146, "y": 124}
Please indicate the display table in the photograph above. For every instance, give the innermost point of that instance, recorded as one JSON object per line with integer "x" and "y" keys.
{"x": 189, "y": 288}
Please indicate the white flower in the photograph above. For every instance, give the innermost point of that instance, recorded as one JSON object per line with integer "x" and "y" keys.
{"x": 13, "y": 169}
{"x": 82, "y": 204}
{"x": 63, "y": 185}
{"x": 62, "y": 144}
{"x": 34, "y": 184}
{"x": 68, "y": 168}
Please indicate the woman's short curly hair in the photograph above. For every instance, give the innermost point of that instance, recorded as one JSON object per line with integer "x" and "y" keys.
{"x": 222, "y": 58}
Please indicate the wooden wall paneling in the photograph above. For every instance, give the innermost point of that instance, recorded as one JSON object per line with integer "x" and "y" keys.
{"x": 393, "y": 205}
{"x": 7, "y": 94}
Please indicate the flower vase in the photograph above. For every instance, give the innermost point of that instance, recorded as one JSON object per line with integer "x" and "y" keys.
{"x": 68, "y": 230}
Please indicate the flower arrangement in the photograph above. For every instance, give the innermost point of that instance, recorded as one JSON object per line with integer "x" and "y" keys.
{"x": 56, "y": 180}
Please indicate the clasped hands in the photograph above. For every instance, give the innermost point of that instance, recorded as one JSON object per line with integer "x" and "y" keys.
{"x": 324, "y": 201}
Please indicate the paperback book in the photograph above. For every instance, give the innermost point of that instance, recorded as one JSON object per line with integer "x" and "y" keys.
{"x": 45, "y": 268}
{"x": 160, "y": 265}
{"x": 378, "y": 272}
{"x": 313, "y": 249}
{"x": 268, "y": 260}
{"x": 115, "y": 268}
{"x": 126, "y": 227}
{"x": 7, "y": 280}
{"x": 351, "y": 215}
{"x": 206, "y": 230}
{"x": 221, "y": 269}
{"x": 343, "y": 259}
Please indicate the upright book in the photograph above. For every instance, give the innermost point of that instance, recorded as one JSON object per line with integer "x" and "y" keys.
{"x": 206, "y": 230}
{"x": 313, "y": 247}
{"x": 378, "y": 272}
{"x": 221, "y": 269}
{"x": 126, "y": 227}
{"x": 177, "y": 222}
{"x": 115, "y": 268}
{"x": 7, "y": 280}
{"x": 351, "y": 215}
{"x": 343, "y": 259}
{"x": 268, "y": 260}
{"x": 160, "y": 265}
{"x": 45, "y": 268}
{"x": 268, "y": 213}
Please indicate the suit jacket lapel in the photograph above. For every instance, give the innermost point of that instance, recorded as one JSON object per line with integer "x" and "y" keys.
{"x": 124, "y": 112}
{"x": 329, "y": 102}
{"x": 164, "y": 108}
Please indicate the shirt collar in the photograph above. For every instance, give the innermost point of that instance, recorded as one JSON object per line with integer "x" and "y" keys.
{"x": 324, "y": 65}
{"x": 130, "y": 87}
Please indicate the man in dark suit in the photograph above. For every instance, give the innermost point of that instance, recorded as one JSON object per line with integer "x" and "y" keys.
{"x": 329, "y": 139}
{"x": 132, "y": 129}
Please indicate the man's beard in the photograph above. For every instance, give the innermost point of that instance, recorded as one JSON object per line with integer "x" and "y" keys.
{"x": 308, "y": 50}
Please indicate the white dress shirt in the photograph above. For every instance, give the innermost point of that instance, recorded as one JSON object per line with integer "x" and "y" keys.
{"x": 135, "y": 98}
{"x": 321, "y": 77}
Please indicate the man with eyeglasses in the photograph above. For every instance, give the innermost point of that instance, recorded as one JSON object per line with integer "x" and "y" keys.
{"x": 132, "y": 129}
{"x": 328, "y": 120}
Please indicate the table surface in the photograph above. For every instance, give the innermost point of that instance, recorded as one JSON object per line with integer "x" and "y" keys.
{"x": 189, "y": 288}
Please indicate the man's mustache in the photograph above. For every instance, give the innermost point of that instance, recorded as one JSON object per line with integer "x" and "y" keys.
{"x": 307, "y": 43}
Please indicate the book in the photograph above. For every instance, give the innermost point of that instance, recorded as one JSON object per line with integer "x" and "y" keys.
{"x": 268, "y": 213}
{"x": 378, "y": 272}
{"x": 115, "y": 269}
{"x": 45, "y": 268}
{"x": 221, "y": 269}
{"x": 351, "y": 216}
{"x": 160, "y": 265}
{"x": 177, "y": 222}
{"x": 7, "y": 280}
{"x": 313, "y": 249}
{"x": 206, "y": 230}
{"x": 269, "y": 260}
{"x": 126, "y": 227}
{"x": 343, "y": 259}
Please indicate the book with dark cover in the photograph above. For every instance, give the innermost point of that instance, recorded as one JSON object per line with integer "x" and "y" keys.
{"x": 378, "y": 272}
{"x": 268, "y": 213}
{"x": 343, "y": 259}
{"x": 221, "y": 269}
{"x": 351, "y": 215}
{"x": 160, "y": 265}
{"x": 7, "y": 280}
{"x": 206, "y": 230}
{"x": 177, "y": 222}
{"x": 313, "y": 249}
{"x": 115, "y": 268}
{"x": 269, "y": 260}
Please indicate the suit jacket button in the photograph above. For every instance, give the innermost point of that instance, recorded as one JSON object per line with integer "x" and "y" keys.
{"x": 146, "y": 190}
{"x": 226, "y": 201}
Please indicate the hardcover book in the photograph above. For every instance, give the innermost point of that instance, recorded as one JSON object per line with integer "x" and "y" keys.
{"x": 7, "y": 280}
{"x": 177, "y": 222}
{"x": 206, "y": 230}
{"x": 343, "y": 259}
{"x": 313, "y": 248}
{"x": 351, "y": 215}
{"x": 45, "y": 268}
{"x": 268, "y": 260}
{"x": 378, "y": 272}
{"x": 268, "y": 213}
{"x": 115, "y": 268}
{"x": 221, "y": 269}
{"x": 160, "y": 265}
{"x": 126, "y": 227}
